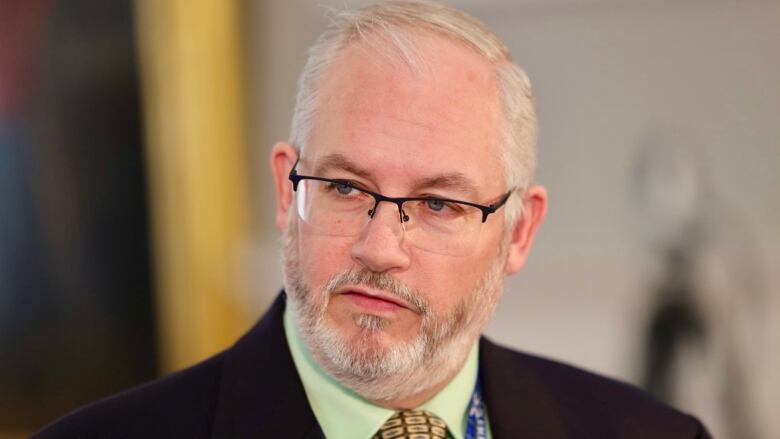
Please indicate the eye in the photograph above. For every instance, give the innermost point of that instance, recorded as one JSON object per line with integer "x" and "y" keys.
{"x": 342, "y": 187}
{"x": 435, "y": 204}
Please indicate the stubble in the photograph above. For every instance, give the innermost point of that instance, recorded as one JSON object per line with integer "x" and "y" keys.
{"x": 365, "y": 364}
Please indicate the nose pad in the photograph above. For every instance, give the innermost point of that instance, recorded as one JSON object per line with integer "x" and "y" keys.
{"x": 396, "y": 222}
{"x": 402, "y": 216}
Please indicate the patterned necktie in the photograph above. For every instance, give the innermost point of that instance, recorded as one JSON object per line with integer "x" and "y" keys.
{"x": 413, "y": 424}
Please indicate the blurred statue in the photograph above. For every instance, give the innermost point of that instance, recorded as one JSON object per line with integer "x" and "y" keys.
{"x": 703, "y": 348}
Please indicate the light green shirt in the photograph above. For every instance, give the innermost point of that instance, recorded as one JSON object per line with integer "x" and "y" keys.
{"x": 345, "y": 415}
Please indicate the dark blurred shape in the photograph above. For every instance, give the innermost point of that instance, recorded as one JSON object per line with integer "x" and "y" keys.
{"x": 675, "y": 321}
{"x": 694, "y": 355}
{"x": 76, "y": 320}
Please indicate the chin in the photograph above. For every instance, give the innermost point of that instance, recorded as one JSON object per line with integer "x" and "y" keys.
{"x": 363, "y": 346}
{"x": 363, "y": 355}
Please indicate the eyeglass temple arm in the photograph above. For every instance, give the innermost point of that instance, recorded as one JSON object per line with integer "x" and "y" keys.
{"x": 487, "y": 210}
{"x": 293, "y": 176}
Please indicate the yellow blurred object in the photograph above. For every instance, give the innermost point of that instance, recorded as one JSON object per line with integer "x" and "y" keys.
{"x": 190, "y": 56}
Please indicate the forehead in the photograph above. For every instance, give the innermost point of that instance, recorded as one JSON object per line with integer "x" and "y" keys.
{"x": 397, "y": 121}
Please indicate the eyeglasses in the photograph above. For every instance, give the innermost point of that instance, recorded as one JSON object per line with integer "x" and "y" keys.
{"x": 339, "y": 207}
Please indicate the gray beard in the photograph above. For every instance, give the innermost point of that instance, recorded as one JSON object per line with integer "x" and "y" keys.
{"x": 361, "y": 363}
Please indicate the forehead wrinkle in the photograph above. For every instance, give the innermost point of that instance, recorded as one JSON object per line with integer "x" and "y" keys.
{"x": 419, "y": 124}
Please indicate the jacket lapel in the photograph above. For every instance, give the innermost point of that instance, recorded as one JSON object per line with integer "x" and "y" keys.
{"x": 518, "y": 405}
{"x": 261, "y": 394}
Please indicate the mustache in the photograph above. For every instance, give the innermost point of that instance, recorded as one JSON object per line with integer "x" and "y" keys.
{"x": 378, "y": 281}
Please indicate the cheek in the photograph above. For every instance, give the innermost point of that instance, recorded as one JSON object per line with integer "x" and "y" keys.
{"x": 321, "y": 257}
{"x": 447, "y": 281}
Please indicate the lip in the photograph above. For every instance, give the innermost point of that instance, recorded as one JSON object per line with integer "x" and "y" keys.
{"x": 373, "y": 300}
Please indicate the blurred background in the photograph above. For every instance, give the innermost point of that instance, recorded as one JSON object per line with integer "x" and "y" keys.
{"x": 136, "y": 226}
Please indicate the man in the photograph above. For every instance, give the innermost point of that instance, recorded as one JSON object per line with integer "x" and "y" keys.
{"x": 405, "y": 196}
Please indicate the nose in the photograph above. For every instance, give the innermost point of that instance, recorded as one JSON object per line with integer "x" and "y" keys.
{"x": 380, "y": 246}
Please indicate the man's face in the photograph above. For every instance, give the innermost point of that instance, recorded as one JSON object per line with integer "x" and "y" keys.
{"x": 375, "y": 298}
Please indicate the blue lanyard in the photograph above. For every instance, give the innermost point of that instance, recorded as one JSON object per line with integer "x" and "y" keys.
{"x": 476, "y": 428}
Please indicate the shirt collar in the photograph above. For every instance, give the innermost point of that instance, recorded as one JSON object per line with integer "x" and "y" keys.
{"x": 342, "y": 413}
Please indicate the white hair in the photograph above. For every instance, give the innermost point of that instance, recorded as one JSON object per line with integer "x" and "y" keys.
{"x": 395, "y": 22}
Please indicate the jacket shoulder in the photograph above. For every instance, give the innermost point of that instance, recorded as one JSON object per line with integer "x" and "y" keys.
{"x": 178, "y": 405}
{"x": 583, "y": 403}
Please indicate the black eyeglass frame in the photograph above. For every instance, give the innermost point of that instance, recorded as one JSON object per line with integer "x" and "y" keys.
{"x": 295, "y": 178}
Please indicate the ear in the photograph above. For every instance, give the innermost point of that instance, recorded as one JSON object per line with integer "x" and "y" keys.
{"x": 283, "y": 157}
{"x": 522, "y": 236}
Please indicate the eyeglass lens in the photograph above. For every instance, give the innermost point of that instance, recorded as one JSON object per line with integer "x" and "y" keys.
{"x": 433, "y": 225}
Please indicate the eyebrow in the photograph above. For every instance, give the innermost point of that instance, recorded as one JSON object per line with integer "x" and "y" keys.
{"x": 339, "y": 161}
{"x": 451, "y": 180}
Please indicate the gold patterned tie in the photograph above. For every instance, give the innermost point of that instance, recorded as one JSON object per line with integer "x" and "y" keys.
{"x": 413, "y": 424}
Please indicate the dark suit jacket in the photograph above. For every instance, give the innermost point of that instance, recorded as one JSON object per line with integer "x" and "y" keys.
{"x": 252, "y": 390}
